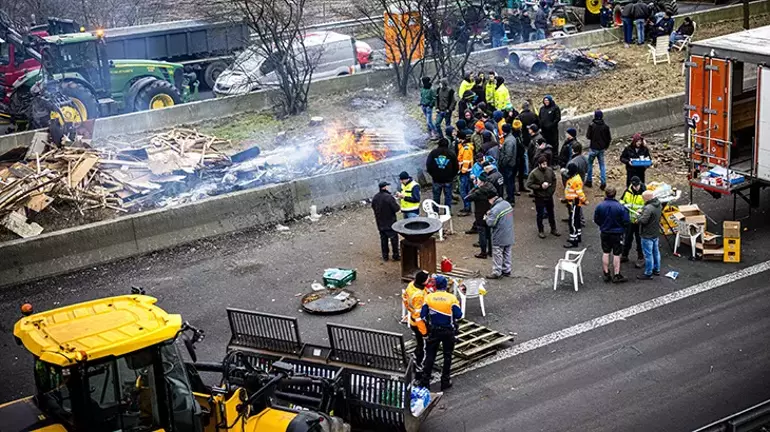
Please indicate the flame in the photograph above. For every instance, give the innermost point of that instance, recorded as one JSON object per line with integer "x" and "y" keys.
{"x": 350, "y": 148}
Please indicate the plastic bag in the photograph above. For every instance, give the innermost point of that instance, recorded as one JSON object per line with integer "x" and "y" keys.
{"x": 420, "y": 400}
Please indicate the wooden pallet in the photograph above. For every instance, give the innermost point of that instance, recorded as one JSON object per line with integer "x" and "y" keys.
{"x": 459, "y": 273}
{"x": 474, "y": 342}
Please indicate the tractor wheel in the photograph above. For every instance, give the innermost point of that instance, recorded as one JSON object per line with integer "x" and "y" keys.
{"x": 84, "y": 105}
{"x": 669, "y": 6}
{"x": 157, "y": 94}
{"x": 212, "y": 73}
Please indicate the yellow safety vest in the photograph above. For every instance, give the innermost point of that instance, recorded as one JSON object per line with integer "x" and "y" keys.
{"x": 634, "y": 202}
{"x": 414, "y": 298}
{"x": 407, "y": 191}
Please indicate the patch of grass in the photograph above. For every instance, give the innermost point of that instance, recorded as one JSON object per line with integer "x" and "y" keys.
{"x": 243, "y": 127}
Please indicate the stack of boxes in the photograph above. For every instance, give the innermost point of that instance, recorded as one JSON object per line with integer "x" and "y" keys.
{"x": 707, "y": 246}
{"x": 731, "y": 232}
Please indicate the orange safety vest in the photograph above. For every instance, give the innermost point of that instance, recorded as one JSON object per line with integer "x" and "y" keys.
{"x": 574, "y": 189}
{"x": 465, "y": 156}
{"x": 413, "y": 298}
{"x": 500, "y": 128}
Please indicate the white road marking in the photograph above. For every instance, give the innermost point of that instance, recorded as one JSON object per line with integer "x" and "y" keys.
{"x": 619, "y": 315}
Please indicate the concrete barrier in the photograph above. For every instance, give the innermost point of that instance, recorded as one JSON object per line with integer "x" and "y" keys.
{"x": 62, "y": 251}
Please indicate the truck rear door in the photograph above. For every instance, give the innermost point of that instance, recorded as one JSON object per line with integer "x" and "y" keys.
{"x": 709, "y": 95}
{"x": 762, "y": 137}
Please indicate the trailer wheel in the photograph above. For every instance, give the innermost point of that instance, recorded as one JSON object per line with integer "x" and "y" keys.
{"x": 212, "y": 73}
{"x": 157, "y": 94}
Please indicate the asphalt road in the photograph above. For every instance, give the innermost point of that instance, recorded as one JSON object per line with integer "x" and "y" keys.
{"x": 675, "y": 368}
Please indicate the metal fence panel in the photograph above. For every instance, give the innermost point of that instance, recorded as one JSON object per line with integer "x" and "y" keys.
{"x": 368, "y": 348}
{"x": 264, "y": 331}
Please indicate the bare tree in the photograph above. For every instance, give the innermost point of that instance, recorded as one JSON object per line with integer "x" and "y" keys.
{"x": 279, "y": 42}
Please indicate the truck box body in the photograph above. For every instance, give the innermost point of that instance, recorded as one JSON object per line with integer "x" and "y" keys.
{"x": 178, "y": 41}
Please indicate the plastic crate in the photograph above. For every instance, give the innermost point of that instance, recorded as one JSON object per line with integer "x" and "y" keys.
{"x": 338, "y": 277}
{"x": 640, "y": 162}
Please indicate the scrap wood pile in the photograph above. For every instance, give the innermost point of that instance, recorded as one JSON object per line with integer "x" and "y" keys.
{"x": 118, "y": 178}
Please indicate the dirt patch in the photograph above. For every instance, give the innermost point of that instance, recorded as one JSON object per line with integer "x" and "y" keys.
{"x": 632, "y": 80}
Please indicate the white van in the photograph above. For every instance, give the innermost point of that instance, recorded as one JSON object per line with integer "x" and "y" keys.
{"x": 335, "y": 54}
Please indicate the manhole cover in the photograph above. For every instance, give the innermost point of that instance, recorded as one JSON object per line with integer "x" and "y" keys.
{"x": 329, "y": 302}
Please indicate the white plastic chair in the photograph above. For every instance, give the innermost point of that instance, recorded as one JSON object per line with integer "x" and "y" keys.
{"x": 434, "y": 210}
{"x": 688, "y": 231}
{"x": 659, "y": 52}
{"x": 682, "y": 44}
{"x": 570, "y": 263}
{"x": 472, "y": 288}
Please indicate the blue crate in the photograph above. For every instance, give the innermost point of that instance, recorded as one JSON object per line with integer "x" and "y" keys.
{"x": 640, "y": 162}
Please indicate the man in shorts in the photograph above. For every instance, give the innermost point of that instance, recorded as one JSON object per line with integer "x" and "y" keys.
{"x": 612, "y": 218}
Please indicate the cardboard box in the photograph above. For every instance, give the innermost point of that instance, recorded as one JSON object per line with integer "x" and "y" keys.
{"x": 731, "y": 229}
{"x": 696, "y": 220}
{"x": 713, "y": 254}
{"x": 690, "y": 210}
{"x": 710, "y": 238}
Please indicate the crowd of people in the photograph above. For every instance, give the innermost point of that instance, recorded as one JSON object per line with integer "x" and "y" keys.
{"x": 493, "y": 153}
{"x": 643, "y": 21}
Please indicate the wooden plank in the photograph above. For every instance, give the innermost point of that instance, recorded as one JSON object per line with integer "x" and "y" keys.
{"x": 39, "y": 202}
{"x": 465, "y": 343}
{"x": 494, "y": 343}
{"x": 81, "y": 170}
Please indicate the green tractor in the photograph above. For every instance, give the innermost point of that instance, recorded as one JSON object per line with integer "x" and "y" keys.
{"x": 78, "y": 82}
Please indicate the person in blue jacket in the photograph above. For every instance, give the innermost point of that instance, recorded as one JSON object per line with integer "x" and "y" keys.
{"x": 612, "y": 218}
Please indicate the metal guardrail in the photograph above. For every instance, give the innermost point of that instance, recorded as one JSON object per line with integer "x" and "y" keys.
{"x": 368, "y": 348}
{"x": 264, "y": 331}
{"x": 754, "y": 419}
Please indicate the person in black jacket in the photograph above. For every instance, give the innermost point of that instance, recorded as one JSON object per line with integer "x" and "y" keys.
{"x": 599, "y": 138}
{"x": 385, "y": 210}
{"x": 521, "y": 156}
{"x": 445, "y": 104}
{"x": 641, "y": 12}
{"x": 528, "y": 118}
{"x": 550, "y": 116}
{"x": 636, "y": 150}
{"x": 442, "y": 166}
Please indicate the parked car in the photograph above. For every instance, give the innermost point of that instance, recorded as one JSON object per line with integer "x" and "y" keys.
{"x": 334, "y": 54}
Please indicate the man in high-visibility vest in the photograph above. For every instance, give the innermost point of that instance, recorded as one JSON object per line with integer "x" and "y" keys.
{"x": 440, "y": 312}
{"x": 413, "y": 298}
{"x": 409, "y": 196}
{"x": 575, "y": 199}
{"x": 632, "y": 199}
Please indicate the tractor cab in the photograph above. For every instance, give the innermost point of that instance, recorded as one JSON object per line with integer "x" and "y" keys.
{"x": 105, "y": 365}
{"x": 80, "y": 55}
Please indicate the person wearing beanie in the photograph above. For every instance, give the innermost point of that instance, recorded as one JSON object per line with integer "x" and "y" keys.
{"x": 467, "y": 103}
{"x": 442, "y": 166}
{"x": 499, "y": 118}
{"x": 490, "y": 146}
{"x": 413, "y": 298}
{"x": 612, "y": 219}
{"x": 451, "y": 136}
{"x": 440, "y": 311}
{"x": 507, "y": 162}
{"x": 632, "y": 199}
{"x": 565, "y": 154}
{"x": 483, "y": 187}
{"x": 445, "y": 104}
{"x": 542, "y": 183}
{"x": 521, "y": 156}
{"x": 385, "y": 210}
{"x": 599, "y": 139}
{"x": 409, "y": 194}
{"x": 541, "y": 20}
{"x": 479, "y": 87}
{"x": 500, "y": 221}
{"x": 575, "y": 199}
{"x": 528, "y": 118}
{"x": 535, "y": 140}
{"x": 636, "y": 150}
{"x": 550, "y": 116}
{"x": 427, "y": 101}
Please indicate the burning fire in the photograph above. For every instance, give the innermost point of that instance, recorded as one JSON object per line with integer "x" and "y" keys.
{"x": 349, "y": 147}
